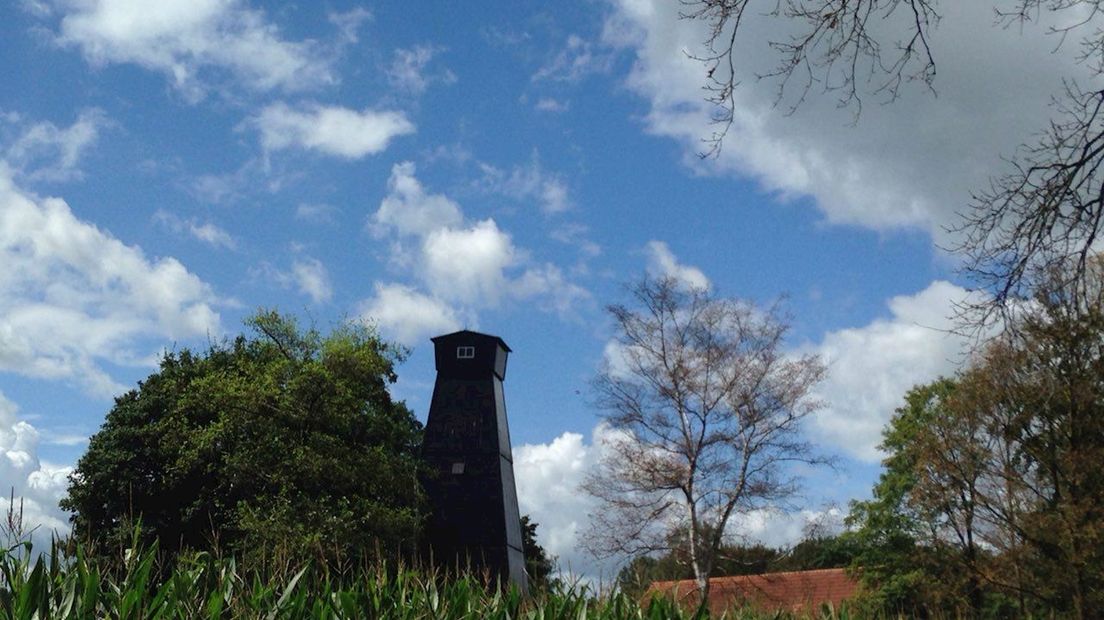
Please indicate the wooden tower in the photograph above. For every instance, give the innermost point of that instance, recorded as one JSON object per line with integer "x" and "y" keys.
{"x": 474, "y": 521}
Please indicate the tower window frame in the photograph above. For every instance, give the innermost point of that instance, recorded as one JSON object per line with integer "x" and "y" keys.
{"x": 465, "y": 353}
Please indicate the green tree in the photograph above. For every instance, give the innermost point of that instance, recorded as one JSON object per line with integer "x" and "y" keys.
{"x": 992, "y": 497}
{"x": 539, "y": 565}
{"x": 816, "y": 552}
{"x": 1044, "y": 389}
{"x": 902, "y": 560}
{"x": 282, "y": 441}
{"x": 642, "y": 571}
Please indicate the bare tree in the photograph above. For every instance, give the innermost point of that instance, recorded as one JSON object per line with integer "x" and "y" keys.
{"x": 834, "y": 48}
{"x": 1045, "y": 217}
{"x": 1044, "y": 213}
{"x": 704, "y": 410}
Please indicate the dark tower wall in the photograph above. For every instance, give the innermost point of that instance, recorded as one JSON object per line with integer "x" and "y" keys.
{"x": 473, "y": 498}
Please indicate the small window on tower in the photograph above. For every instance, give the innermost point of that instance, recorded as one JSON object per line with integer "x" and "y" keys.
{"x": 457, "y": 468}
{"x": 465, "y": 353}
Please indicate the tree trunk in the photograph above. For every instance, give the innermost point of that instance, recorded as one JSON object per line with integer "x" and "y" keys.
{"x": 701, "y": 575}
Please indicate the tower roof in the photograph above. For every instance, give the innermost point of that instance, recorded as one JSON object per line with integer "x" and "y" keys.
{"x": 467, "y": 333}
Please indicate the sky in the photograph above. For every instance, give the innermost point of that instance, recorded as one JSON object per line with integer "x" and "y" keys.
{"x": 166, "y": 169}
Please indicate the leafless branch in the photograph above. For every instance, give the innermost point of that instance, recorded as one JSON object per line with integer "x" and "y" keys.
{"x": 705, "y": 411}
{"x": 835, "y": 50}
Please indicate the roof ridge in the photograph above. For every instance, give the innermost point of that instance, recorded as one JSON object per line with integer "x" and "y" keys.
{"x": 776, "y": 573}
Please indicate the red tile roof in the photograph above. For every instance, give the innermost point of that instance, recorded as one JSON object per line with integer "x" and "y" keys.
{"x": 793, "y": 591}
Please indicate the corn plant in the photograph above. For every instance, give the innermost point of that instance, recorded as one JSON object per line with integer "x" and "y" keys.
{"x": 53, "y": 585}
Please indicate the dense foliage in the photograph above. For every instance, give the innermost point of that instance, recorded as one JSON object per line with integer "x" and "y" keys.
{"x": 539, "y": 565}
{"x": 992, "y": 500}
{"x": 282, "y": 442}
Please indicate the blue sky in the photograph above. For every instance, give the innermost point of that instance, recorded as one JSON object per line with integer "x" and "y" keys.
{"x": 164, "y": 171}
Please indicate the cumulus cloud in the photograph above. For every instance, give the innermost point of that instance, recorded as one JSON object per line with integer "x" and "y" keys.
{"x": 330, "y": 130}
{"x": 190, "y": 41}
{"x": 205, "y": 232}
{"x": 662, "y": 262}
{"x": 548, "y": 477}
{"x": 462, "y": 267}
{"x": 468, "y": 264}
{"x": 912, "y": 163}
{"x": 37, "y": 486}
{"x": 44, "y": 151}
{"x": 71, "y": 295}
{"x": 407, "y": 315}
{"x": 871, "y": 367}
{"x": 409, "y": 209}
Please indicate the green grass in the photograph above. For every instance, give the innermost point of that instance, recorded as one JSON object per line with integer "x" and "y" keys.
{"x": 50, "y": 585}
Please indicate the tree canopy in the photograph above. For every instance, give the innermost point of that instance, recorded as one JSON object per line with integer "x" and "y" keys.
{"x": 284, "y": 440}
{"x": 992, "y": 497}
{"x": 539, "y": 565}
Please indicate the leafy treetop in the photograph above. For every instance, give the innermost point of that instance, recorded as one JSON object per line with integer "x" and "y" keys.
{"x": 284, "y": 440}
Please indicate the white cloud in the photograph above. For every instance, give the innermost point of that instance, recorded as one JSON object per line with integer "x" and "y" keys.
{"x": 306, "y": 275}
{"x": 468, "y": 264}
{"x": 318, "y": 213}
{"x": 662, "y": 262}
{"x": 37, "y": 486}
{"x": 206, "y": 232}
{"x": 780, "y": 529}
{"x": 348, "y": 23}
{"x": 406, "y": 315}
{"x": 548, "y": 104}
{"x": 462, "y": 266}
{"x": 45, "y": 151}
{"x": 548, "y": 285}
{"x": 577, "y": 235}
{"x": 576, "y": 60}
{"x": 912, "y": 163}
{"x": 871, "y": 367}
{"x": 409, "y": 209}
{"x": 209, "y": 233}
{"x": 312, "y": 279}
{"x": 528, "y": 182}
{"x": 408, "y": 70}
{"x": 330, "y": 130}
{"x": 72, "y": 295}
{"x": 548, "y": 477}
{"x": 189, "y": 41}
